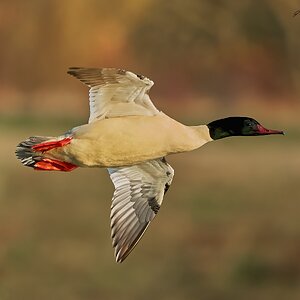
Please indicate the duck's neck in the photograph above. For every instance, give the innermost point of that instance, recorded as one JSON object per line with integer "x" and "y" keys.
{"x": 219, "y": 133}
{"x": 202, "y": 134}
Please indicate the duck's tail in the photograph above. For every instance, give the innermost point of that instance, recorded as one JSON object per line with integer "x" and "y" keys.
{"x": 32, "y": 151}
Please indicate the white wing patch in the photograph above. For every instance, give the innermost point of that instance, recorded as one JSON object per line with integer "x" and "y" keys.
{"x": 116, "y": 92}
{"x": 139, "y": 192}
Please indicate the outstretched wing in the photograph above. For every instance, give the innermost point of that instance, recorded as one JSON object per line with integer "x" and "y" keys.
{"x": 116, "y": 92}
{"x": 139, "y": 192}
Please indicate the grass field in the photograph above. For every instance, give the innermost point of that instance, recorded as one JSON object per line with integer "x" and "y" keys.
{"x": 228, "y": 229}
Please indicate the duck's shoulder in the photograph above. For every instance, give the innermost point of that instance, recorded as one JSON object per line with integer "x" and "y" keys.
{"x": 161, "y": 119}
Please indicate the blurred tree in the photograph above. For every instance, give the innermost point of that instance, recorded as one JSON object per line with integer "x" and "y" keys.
{"x": 175, "y": 37}
{"x": 223, "y": 47}
{"x": 264, "y": 62}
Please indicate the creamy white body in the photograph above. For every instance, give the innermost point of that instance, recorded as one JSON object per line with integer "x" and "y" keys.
{"x": 129, "y": 140}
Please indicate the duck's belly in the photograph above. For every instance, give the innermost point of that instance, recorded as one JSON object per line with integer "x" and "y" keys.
{"x": 126, "y": 141}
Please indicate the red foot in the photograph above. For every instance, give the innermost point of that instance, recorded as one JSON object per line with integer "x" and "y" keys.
{"x": 48, "y": 164}
{"x": 46, "y": 146}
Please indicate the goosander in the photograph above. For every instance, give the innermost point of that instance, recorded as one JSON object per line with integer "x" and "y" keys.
{"x": 130, "y": 137}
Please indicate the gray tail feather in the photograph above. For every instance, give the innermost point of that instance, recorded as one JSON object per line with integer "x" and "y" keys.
{"x": 26, "y": 154}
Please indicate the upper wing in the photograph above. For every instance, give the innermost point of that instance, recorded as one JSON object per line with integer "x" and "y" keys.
{"x": 116, "y": 92}
{"x": 139, "y": 192}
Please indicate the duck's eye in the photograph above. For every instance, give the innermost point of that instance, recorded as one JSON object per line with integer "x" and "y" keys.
{"x": 248, "y": 124}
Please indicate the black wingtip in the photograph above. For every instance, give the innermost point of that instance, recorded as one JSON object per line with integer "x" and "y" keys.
{"x": 72, "y": 70}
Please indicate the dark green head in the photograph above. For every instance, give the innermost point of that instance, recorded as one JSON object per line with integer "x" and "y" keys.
{"x": 237, "y": 126}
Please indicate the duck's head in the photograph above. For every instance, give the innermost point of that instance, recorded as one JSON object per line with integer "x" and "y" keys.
{"x": 238, "y": 126}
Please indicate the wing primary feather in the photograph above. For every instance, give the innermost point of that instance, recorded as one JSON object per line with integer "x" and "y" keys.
{"x": 117, "y": 215}
{"x": 115, "y": 92}
{"x": 120, "y": 257}
{"x": 118, "y": 222}
{"x": 120, "y": 235}
{"x": 136, "y": 201}
{"x": 122, "y": 224}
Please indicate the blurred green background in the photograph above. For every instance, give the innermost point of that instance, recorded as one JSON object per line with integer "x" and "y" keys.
{"x": 229, "y": 227}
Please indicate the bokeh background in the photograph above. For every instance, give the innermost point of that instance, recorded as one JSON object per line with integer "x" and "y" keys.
{"x": 229, "y": 227}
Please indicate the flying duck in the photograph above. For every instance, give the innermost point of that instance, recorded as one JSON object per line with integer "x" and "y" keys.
{"x": 130, "y": 137}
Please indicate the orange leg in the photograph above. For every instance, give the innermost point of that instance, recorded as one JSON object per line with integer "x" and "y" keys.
{"x": 46, "y": 146}
{"x": 48, "y": 164}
